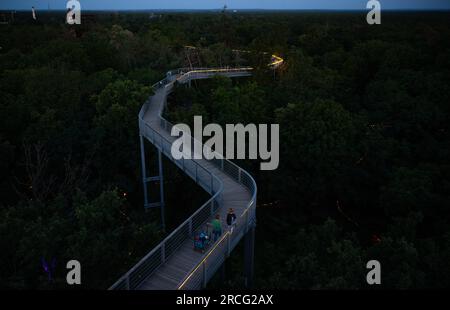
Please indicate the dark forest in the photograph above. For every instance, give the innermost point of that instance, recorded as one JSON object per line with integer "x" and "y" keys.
{"x": 364, "y": 114}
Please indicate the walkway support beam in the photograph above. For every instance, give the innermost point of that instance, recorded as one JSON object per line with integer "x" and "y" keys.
{"x": 144, "y": 172}
{"x": 249, "y": 253}
{"x": 161, "y": 190}
{"x": 159, "y": 178}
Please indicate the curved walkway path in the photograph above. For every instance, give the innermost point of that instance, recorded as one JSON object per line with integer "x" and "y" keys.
{"x": 173, "y": 264}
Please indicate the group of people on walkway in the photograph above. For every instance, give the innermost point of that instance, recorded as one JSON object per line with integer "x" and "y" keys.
{"x": 217, "y": 224}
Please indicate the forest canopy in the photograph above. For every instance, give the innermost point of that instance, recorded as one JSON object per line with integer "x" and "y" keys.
{"x": 364, "y": 120}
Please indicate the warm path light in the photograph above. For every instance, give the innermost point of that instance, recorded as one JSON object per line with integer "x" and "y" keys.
{"x": 276, "y": 61}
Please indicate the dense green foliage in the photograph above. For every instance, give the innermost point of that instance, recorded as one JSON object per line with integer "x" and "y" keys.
{"x": 364, "y": 138}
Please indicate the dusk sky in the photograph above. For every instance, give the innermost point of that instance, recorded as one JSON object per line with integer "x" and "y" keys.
{"x": 232, "y": 4}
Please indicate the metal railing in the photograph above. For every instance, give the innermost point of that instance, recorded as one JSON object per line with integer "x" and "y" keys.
{"x": 200, "y": 274}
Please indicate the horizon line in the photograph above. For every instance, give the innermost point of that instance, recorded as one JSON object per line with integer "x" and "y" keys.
{"x": 232, "y": 9}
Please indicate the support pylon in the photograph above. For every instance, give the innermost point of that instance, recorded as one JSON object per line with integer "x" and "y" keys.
{"x": 159, "y": 178}
{"x": 249, "y": 254}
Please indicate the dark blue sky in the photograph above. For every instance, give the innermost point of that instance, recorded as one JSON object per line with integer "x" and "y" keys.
{"x": 233, "y": 4}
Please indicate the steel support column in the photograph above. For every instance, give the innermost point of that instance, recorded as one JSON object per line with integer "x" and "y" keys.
{"x": 144, "y": 172}
{"x": 159, "y": 178}
{"x": 161, "y": 190}
{"x": 249, "y": 253}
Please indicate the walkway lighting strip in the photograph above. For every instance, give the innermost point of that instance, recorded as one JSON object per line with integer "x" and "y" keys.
{"x": 278, "y": 61}
{"x": 203, "y": 260}
{"x": 210, "y": 252}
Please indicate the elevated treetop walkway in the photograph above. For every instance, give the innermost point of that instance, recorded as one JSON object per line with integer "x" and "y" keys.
{"x": 173, "y": 264}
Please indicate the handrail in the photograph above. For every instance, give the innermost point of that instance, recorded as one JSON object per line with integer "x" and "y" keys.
{"x": 128, "y": 281}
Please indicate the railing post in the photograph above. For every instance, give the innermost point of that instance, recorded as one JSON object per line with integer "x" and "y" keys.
{"x": 239, "y": 175}
{"x": 204, "y": 275}
{"x": 229, "y": 245}
{"x": 196, "y": 168}
{"x": 161, "y": 190}
{"x": 163, "y": 252}
{"x": 144, "y": 173}
{"x": 246, "y": 220}
{"x": 212, "y": 207}
{"x": 127, "y": 283}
